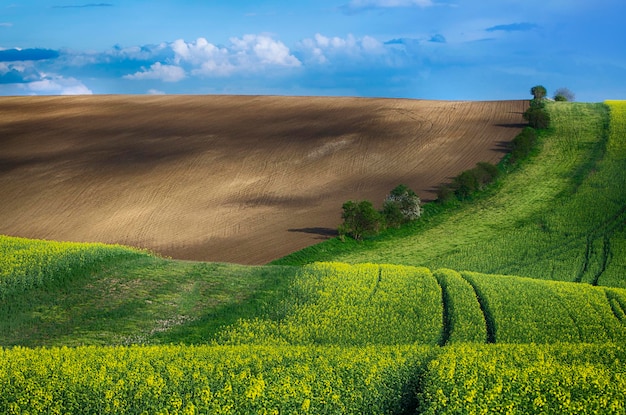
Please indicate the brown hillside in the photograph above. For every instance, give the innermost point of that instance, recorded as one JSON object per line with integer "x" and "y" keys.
{"x": 226, "y": 178}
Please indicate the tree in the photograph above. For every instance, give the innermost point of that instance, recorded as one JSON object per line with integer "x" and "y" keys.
{"x": 538, "y": 92}
{"x": 360, "y": 220}
{"x": 465, "y": 184}
{"x": 523, "y": 144}
{"x": 537, "y": 117}
{"x": 564, "y": 94}
{"x": 402, "y": 205}
{"x": 485, "y": 173}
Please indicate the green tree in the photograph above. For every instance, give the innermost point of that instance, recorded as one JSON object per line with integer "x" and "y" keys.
{"x": 523, "y": 144}
{"x": 485, "y": 173}
{"x": 564, "y": 94}
{"x": 465, "y": 184}
{"x": 537, "y": 117}
{"x": 538, "y": 92}
{"x": 401, "y": 205}
{"x": 360, "y": 220}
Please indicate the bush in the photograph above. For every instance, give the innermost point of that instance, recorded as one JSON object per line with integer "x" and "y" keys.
{"x": 523, "y": 144}
{"x": 486, "y": 173}
{"x": 465, "y": 184}
{"x": 468, "y": 182}
{"x": 402, "y": 205}
{"x": 564, "y": 94}
{"x": 360, "y": 220}
{"x": 537, "y": 117}
{"x": 445, "y": 193}
{"x": 538, "y": 92}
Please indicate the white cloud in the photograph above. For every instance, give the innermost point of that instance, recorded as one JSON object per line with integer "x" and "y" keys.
{"x": 155, "y": 92}
{"x": 6, "y": 24}
{"x": 165, "y": 73}
{"x": 321, "y": 49}
{"x": 250, "y": 53}
{"x": 265, "y": 50}
{"x": 204, "y": 57}
{"x": 57, "y": 85}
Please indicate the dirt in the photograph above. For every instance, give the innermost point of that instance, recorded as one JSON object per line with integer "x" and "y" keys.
{"x": 244, "y": 179}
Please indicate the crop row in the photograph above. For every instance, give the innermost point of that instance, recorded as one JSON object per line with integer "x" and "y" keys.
{"x": 334, "y": 303}
{"x": 340, "y": 304}
{"x": 367, "y": 304}
{"x": 525, "y": 310}
{"x": 459, "y": 379}
{"x": 526, "y": 379}
{"x": 209, "y": 380}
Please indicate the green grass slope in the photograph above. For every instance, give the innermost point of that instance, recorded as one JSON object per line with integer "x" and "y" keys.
{"x": 561, "y": 215}
{"x": 336, "y": 338}
{"x": 58, "y": 293}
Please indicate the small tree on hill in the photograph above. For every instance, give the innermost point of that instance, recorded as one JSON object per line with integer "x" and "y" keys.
{"x": 537, "y": 115}
{"x": 402, "y": 205}
{"x": 564, "y": 94}
{"x": 360, "y": 220}
{"x": 538, "y": 92}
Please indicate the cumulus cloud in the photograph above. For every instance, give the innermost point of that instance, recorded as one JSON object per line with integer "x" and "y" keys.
{"x": 204, "y": 57}
{"x": 264, "y": 50}
{"x": 321, "y": 49}
{"x": 57, "y": 85}
{"x": 250, "y": 53}
{"x": 165, "y": 73}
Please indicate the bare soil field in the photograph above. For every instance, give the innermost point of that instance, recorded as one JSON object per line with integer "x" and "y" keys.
{"x": 243, "y": 179}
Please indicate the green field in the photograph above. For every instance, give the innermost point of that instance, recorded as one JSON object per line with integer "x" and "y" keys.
{"x": 559, "y": 216}
{"x": 513, "y": 302}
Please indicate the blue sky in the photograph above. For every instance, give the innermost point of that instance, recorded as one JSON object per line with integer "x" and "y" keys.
{"x": 429, "y": 49}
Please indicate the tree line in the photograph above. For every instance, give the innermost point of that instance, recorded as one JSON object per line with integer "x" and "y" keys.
{"x": 403, "y": 205}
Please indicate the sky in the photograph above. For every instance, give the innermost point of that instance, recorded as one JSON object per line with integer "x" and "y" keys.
{"x": 422, "y": 49}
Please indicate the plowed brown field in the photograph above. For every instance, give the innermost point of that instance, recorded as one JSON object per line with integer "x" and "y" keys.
{"x": 226, "y": 178}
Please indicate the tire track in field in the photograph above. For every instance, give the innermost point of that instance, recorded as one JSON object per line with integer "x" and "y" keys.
{"x": 606, "y": 231}
{"x": 446, "y": 331}
{"x": 485, "y": 308}
{"x": 617, "y": 307}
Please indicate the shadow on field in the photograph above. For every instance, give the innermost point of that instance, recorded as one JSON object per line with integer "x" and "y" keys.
{"x": 502, "y": 147}
{"x": 518, "y": 125}
{"x": 324, "y": 232}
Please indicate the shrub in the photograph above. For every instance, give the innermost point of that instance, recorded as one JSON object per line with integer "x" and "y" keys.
{"x": 538, "y": 92}
{"x": 360, "y": 220}
{"x": 563, "y": 94}
{"x": 486, "y": 173}
{"x": 465, "y": 184}
{"x": 445, "y": 193}
{"x": 523, "y": 144}
{"x": 402, "y": 205}
{"x": 537, "y": 117}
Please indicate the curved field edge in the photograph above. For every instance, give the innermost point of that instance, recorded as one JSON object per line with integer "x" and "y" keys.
{"x": 243, "y": 179}
{"x": 560, "y": 378}
{"x": 59, "y": 293}
{"x": 568, "y": 224}
{"x": 145, "y": 299}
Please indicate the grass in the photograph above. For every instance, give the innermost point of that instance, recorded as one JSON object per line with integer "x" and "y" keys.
{"x": 139, "y": 299}
{"x": 568, "y": 224}
{"x": 341, "y": 338}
